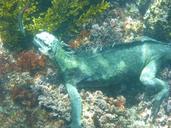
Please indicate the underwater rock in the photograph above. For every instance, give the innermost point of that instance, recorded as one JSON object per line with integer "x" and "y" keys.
{"x": 166, "y": 75}
{"x": 101, "y": 35}
{"x": 157, "y": 20}
{"x": 99, "y": 110}
{"x": 143, "y": 5}
{"x": 115, "y": 26}
{"x": 20, "y": 79}
{"x": 168, "y": 109}
{"x": 53, "y": 98}
{"x": 6, "y": 61}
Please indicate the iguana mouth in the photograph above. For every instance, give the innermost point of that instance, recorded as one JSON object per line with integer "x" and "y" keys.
{"x": 41, "y": 45}
{"x": 43, "y": 40}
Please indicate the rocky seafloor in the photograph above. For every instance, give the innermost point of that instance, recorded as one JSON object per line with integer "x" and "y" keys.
{"x": 32, "y": 96}
{"x": 36, "y": 99}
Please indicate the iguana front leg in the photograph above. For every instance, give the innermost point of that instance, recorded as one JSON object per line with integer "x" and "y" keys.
{"x": 76, "y": 107}
{"x": 148, "y": 78}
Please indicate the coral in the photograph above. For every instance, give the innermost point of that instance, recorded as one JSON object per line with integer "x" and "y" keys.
{"x": 105, "y": 34}
{"x": 53, "y": 99}
{"x": 80, "y": 39}
{"x": 132, "y": 28}
{"x": 3, "y": 93}
{"x": 157, "y": 20}
{"x": 19, "y": 79}
{"x": 168, "y": 107}
{"x": 120, "y": 102}
{"x": 126, "y": 23}
{"x": 30, "y": 61}
{"x": 7, "y": 64}
{"x": 99, "y": 110}
{"x": 115, "y": 26}
{"x": 100, "y": 36}
{"x": 4, "y": 64}
{"x": 166, "y": 75}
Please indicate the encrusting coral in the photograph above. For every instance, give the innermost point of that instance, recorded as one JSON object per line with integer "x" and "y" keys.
{"x": 157, "y": 19}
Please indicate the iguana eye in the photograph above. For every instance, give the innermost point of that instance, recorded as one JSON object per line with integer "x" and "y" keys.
{"x": 36, "y": 37}
{"x": 50, "y": 50}
{"x": 40, "y": 40}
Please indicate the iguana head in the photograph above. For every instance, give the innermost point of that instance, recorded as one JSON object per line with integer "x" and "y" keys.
{"x": 46, "y": 43}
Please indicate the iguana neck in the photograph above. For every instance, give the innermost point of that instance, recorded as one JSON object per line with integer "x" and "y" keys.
{"x": 64, "y": 60}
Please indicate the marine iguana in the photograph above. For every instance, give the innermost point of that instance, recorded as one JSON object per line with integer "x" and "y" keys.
{"x": 139, "y": 60}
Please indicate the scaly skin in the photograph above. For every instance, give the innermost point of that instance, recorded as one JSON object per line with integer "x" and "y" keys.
{"x": 139, "y": 60}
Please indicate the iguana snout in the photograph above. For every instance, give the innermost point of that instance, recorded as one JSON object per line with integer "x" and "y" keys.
{"x": 44, "y": 42}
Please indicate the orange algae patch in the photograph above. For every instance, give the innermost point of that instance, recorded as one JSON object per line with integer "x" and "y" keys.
{"x": 23, "y": 96}
{"x": 29, "y": 60}
{"x": 80, "y": 39}
{"x": 120, "y": 102}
